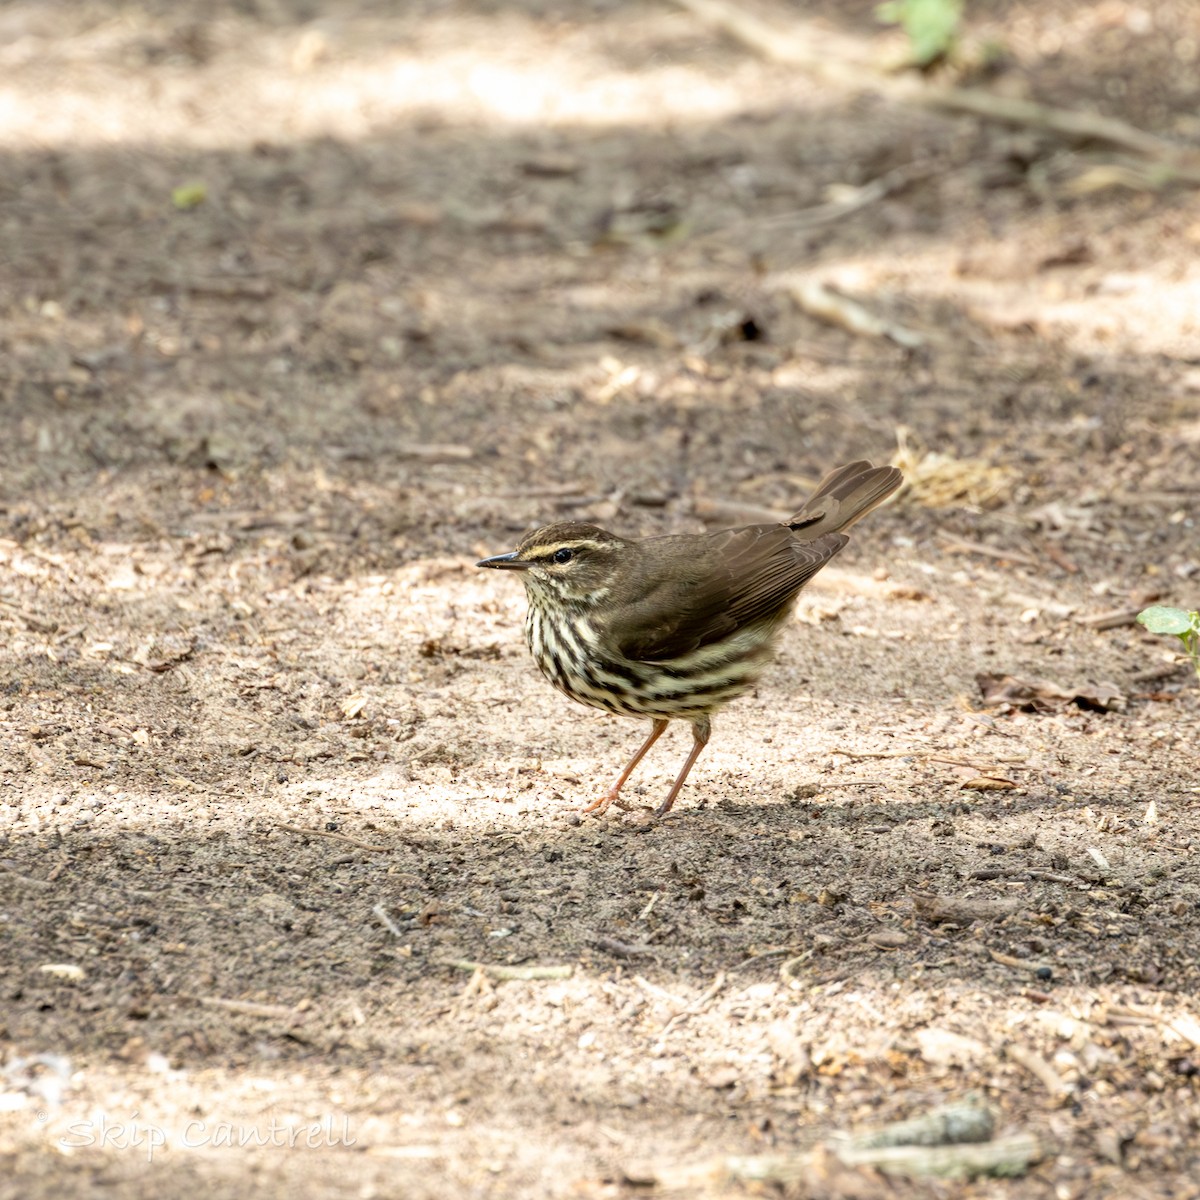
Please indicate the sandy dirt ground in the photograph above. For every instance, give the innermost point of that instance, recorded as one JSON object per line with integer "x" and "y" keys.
{"x": 305, "y": 307}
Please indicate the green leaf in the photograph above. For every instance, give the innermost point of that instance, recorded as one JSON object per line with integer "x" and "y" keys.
{"x": 188, "y": 195}
{"x": 1160, "y": 619}
{"x": 930, "y": 24}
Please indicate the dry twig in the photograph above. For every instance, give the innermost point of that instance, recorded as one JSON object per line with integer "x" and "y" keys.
{"x": 250, "y": 1008}
{"x": 32, "y": 620}
{"x": 502, "y": 973}
{"x": 961, "y": 910}
{"x": 387, "y": 921}
{"x": 1037, "y": 1066}
{"x": 619, "y": 949}
{"x": 963, "y": 546}
{"x": 696, "y": 1006}
{"x": 815, "y": 299}
{"x": 1005, "y": 1157}
{"x": 333, "y": 837}
{"x": 1040, "y": 969}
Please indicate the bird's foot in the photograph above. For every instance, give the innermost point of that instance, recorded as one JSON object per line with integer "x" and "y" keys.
{"x": 601, "y": 806}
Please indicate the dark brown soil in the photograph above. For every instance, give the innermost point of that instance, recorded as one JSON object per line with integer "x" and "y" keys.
{"x": 273, "y": 757}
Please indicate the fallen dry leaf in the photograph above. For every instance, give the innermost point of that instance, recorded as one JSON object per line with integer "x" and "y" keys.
{"x": 1040, "y": 695}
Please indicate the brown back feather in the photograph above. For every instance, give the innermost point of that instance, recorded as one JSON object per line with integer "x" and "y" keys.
{"x": 743, "y": 576}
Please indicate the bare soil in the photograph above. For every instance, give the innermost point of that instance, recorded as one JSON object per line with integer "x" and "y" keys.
{"x": 275, "y": 767}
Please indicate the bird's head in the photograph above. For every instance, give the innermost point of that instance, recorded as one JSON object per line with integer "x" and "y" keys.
{"x": 570, "y": 562}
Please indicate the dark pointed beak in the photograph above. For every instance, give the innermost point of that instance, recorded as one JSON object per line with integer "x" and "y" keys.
{"x": 506, "y": 562}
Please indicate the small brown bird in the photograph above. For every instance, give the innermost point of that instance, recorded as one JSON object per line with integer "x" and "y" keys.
{"x": 673, "y": 628}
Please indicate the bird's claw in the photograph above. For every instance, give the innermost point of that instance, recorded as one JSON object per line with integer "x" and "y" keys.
{"x": 601, "y": 806}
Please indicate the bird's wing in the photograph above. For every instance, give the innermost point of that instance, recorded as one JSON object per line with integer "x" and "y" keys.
{"x": 742, "y": 576}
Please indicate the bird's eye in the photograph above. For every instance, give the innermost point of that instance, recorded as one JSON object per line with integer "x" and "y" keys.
{"x": 563, "y": 555}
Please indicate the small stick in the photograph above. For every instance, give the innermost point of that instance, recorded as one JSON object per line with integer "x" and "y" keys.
{"x": 1006, "y": 1156}
{"x": 501, "y": 973}
{"x": 654, "y": 990}
{"x": 963, "y": 546}
{"x": 1183, "y": 1026}
{"x": 1020, "y": 964}
{"x": 1037, "y": 1066}
{"x": 1120, "y": 1014}
{"x": 1017, "y": 872}
{"x": 436, "y": 452}
{"x": 753, "y": 958}
{"x": 881, "y": 753}
{"x": 387, "y": 921}
{"x": 248, "y": 1007}
{"x": 857, "y": 199}
{"x": 26, "y": 879}
{"x": 1116, "y": 618}
{"x": 547, "y": 492}
{"x": 698, "y": 1005}
{"x": 815, "y": 299}
{"x": 619, "y": 949}
{"x": 1009, "y": 763}
{"x": 1049, "y": 876}
{"x": 32, "y": 620}
{"x": 1058, "y": 558}
{"x": 333, "y": 837}
{"x": 989, "y": 724}
{"x": 961, "y": 909}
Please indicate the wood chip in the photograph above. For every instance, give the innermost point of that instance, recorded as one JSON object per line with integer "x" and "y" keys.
{"x": 619, "y": 949}
{"x": 251, "y": 1008}
{"x": 503, "y": 973}
{"x": 1004, "y": 1158}
{"x": 1037, "y": 1066}
{"x": 943, "y": 1047}
{"x": 67, "y": 972}
{"x": 988, "y": 783}
{"x": 1116, "y": 618}
{"x": 962, "y": 910}
{"x": 437, "y": 452}
{"x": 815, "y": 299}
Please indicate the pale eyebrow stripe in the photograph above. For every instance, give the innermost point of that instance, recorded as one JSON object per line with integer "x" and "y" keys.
{"x": 550, "y": 551}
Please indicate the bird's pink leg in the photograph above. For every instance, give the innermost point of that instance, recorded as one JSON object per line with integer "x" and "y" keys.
{"x": 599, "y": 807}
{"x": 700, "y": 731}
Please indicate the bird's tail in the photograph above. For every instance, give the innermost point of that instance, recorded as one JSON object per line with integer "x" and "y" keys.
{"x": 843, "y": 497}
